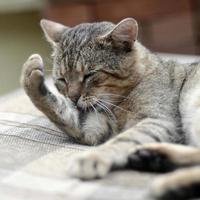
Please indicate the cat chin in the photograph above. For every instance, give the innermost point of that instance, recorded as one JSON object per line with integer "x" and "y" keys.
{"x": 82, "y": 108}
{"x": 86, "y": 106}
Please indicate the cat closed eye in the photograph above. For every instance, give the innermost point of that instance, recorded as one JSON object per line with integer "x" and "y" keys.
{"x": 62, "y": 80}
{"x": 87, "y": 76}
{"x": 61, "y": 84}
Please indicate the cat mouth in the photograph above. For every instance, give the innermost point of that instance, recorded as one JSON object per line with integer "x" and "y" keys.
{"x": 96, "y": 108}
{"x": 87, "y": 108}
{"x": 87, "y": 104}
{"x": 92, "y": 107}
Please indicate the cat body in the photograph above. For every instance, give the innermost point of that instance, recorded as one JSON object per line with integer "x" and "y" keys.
{"x": 115, "y": 91}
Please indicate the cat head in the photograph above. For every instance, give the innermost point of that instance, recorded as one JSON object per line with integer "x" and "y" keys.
{"x": 92, "y": 61}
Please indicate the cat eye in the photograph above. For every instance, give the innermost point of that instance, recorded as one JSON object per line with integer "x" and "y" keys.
{"x": 61, "y": 84}
{"x": 87, "y": 76}
{"x": 62, "y": 80}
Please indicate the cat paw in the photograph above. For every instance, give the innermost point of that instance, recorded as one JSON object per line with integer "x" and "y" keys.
{"x": 89, "y": 165}
{"x": 32, "y": 78}
{"x": 150, "y": 158}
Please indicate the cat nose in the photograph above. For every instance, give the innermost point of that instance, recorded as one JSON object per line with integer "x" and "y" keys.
{"x": 74, "y": 98}
{"x": 74, "y": 92}
{"x": 74, "y": 95}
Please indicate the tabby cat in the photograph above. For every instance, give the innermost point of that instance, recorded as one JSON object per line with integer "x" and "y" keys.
{"x": 114, "y": 91}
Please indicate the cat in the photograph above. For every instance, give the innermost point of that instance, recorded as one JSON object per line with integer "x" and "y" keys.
{"x": 141, "y": 111}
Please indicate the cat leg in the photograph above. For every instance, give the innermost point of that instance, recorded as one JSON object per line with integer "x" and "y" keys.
{"x": 56, "y": 108}
{"x": 163, "y": 157}
{"x": 182, "y": 184}
{"x": 96, "y": 163}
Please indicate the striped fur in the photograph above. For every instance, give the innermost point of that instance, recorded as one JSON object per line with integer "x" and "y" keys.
{"x": 114, "y": 91}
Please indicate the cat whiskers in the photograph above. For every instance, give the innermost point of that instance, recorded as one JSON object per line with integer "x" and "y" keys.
{"x": 106, "y": 110}
{"x": 95, "y": 110}
{"x": 100, "y": 104}
{"x": 114, "y": 95}
{"x": 109, "y": 103}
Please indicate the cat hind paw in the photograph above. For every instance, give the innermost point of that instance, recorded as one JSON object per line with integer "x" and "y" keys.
{"x": 149, "y": 158}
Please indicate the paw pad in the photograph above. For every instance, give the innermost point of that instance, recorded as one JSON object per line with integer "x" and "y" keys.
{"x": 149, "y": 160}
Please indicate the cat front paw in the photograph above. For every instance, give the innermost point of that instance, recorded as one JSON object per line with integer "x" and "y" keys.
{"x": 32, "y": 78}
{"x": 89, "y": 165}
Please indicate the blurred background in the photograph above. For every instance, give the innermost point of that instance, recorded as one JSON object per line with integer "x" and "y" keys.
{"x": 171, "y": 26}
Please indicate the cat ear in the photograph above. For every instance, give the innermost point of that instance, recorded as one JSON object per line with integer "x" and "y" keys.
{"x": 124, "y": 33}
{"x": 52, "y": 30}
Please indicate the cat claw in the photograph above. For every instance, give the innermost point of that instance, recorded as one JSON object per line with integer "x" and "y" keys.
{"x": 88, "y": 165}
